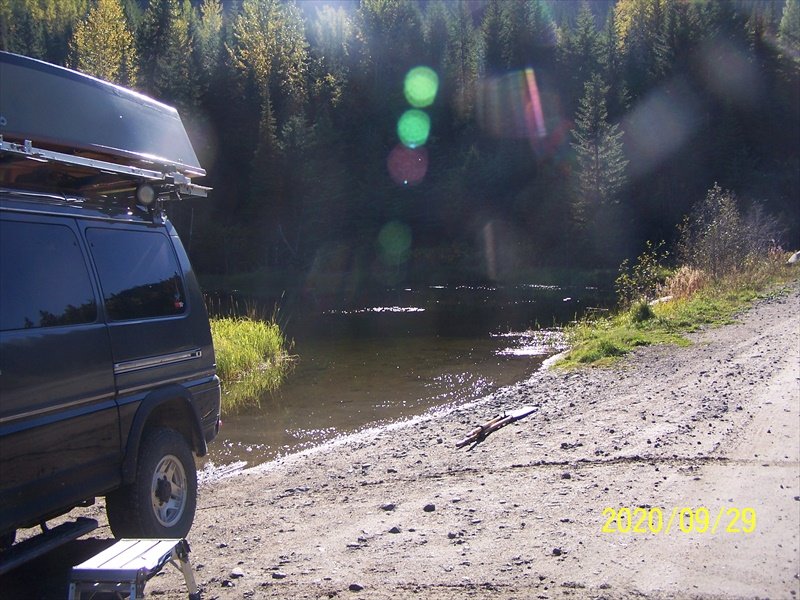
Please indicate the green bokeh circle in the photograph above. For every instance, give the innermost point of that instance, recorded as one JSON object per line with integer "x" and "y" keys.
{"x": 413, "y": 128}
{"x": 420, "y": 86}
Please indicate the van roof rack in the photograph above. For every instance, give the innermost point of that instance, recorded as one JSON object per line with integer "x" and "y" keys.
{"x": 171, "y": 181}
{"x": 64, "y": 130}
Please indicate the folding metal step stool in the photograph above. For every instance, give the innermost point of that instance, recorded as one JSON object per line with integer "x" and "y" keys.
{"x": 125, "y": 567}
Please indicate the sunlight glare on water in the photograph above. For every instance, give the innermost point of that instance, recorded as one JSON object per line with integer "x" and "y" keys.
{"x": 397, "y": 355}
{"x": 542, "y": 342}
{"x": 376, "y": 309}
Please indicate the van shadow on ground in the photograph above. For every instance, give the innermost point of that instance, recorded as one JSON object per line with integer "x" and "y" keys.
{"x": 47, "y": 577}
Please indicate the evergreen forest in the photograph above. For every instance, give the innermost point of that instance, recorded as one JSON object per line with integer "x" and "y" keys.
{"x": 387, "y": 142}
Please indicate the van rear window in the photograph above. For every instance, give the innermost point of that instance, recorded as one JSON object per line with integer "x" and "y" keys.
{"x": 139, "y": 273}
{"x": 44, "y": 281}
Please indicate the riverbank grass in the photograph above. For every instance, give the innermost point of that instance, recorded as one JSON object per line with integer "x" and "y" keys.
{"x": 252, "y": 359}
{"x": 601, "y": 341}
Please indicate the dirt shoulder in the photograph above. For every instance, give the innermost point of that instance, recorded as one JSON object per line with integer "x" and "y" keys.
{"x": 399, "y": 512}
{"x": 715, "y": 425}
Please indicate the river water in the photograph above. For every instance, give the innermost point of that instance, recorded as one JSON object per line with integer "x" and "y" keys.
{"x": 396, "y": 355}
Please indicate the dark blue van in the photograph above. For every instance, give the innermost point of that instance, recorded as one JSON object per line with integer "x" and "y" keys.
{"x": 108, "y": 383}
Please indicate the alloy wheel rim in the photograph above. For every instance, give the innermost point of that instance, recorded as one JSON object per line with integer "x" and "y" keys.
{"x": 168, "y": 491}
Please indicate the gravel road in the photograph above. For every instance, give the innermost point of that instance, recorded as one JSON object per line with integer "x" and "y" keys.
{"x": 703, "y": 441}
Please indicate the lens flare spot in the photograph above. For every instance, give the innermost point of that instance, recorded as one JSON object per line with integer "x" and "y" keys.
{"x": 660, "y": 125}
{"x": 407, "y": 166}
{"x": 394, "y": 242}
{"x": 517, "y": 106}
{"x": 534, "y": 117}
{"x": 730, "y": 75}
{"x": 413, "y": 128}
{"x": 420, "y": 86}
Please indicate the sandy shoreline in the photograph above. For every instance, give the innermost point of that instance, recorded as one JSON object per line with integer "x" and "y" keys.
{"x": 398, "y": 512}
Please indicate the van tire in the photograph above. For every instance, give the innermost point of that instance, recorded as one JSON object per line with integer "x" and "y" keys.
{"x": 161, "y": 501}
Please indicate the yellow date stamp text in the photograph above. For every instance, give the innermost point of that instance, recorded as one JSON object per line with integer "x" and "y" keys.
{"x": 655, "y": 520}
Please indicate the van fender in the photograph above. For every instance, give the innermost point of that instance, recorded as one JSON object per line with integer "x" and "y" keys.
{"x": 166, "y": 407}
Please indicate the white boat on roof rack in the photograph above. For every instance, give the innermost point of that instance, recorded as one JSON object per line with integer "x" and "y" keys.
{"x": 63, "y": 130}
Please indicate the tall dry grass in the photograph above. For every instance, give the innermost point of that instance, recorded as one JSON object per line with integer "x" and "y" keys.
{"x": 685, "y": 282}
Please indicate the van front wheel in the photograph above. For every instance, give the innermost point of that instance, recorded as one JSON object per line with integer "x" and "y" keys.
{"x": 161, "y": 501}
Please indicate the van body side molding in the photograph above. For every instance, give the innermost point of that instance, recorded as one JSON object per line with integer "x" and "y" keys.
{"x": 156, "y": 361}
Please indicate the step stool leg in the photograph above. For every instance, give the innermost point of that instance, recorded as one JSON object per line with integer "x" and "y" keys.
{"x": 137, "y": 586}
{"x": 181, "y": 553}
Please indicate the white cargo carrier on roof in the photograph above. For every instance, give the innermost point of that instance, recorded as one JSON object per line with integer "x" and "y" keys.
{"x": 76, "y": 132}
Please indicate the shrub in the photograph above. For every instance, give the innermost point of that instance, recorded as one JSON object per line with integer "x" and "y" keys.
{"x": 763, "y": 232}
{"x": 716, "y": 239}
{"x": 641, "y": 311}
{"x": 712, "y": 236}
{"x": 643, "y": 280}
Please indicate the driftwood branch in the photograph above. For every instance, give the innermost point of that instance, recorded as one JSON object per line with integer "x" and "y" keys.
{"x": 479, "y": 434}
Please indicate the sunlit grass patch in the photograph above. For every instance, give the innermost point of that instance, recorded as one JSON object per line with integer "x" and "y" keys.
{"x": 707, "y": 307}
{"x": 604, "y": 340}
{"x": 252, "y": 359}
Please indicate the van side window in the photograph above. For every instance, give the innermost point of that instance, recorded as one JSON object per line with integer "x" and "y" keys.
{"x": 138, "y": 272}
{"x": 44, "y": 281}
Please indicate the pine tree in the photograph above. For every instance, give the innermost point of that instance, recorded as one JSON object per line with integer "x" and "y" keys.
{"x": 527, "y": 34}
{"x": 435, "y": 33}
{"x": 103, "y": 46}
{"x": 544, "y": 34}
{"x": 302, "y": 214}
{"x": 208, "y": 43}
{"x": 462, "y": 60}
{"x": 269, "y": 53}
{"x": 331, "y": 37}
{"x": 134, "y": 13}
{"x": 58, "y": 19}
{"x": 173, "y": 78}
{"x": 390, "y": 32}
{"x": 641, "y": 37}
{"x": 599, "y": 154}
{"x": 581, "y": 51}
{"x": 611, "y": 60}
{"x": 789, "y": 34}
{"x": 6, "y": 27}
{"x": 493, "y": 46}
{"x": 25, "y": 31}
{"x": 164, "y": 48}
{"x": 678, "y": 35}
{"x": 265, "y": 173}
{"x": 269, "y": 46}
{"x": 762, "y": 51}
